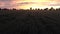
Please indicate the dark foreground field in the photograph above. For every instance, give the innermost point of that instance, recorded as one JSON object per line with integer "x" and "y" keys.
{"x": 30, "y": 21}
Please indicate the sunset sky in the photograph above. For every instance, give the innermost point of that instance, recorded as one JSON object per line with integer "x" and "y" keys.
{"x": 26, "y": 4}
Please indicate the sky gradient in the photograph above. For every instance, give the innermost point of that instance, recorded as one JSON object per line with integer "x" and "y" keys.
{"x": 26, "y": 4}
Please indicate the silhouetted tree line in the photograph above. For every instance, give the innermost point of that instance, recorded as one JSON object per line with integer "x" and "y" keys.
{"x": 32, "y": 9}
{"x": 37, "y": 21}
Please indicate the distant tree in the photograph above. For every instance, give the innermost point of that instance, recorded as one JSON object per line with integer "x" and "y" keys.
{"x": 59, "y": 8}
{"x": 0, "y": 8}
{"x": 38, "y": 9}
{"x": 31, "y": 8}
{"x": 5, "y": 9}
{"x": 21, "y": 9}
{"x": 51, "y": 8}
{"x": 14, "y": 9}
{"x": 41, "y": 9}
{"x": 46, "y": 9}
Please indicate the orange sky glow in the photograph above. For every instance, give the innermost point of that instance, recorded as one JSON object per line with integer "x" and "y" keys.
{"x": 26, "y": 4}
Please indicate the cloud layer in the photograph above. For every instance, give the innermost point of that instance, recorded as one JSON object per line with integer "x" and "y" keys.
{"x": 22, "y": 3}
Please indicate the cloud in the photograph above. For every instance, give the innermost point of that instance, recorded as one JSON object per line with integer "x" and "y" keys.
{"x": 12, "y": 4}
{"x": 5, "y": 0}
{"x": 54, "y": 4}
{"x": 16, "y": 3}
{"x": 27, "y": 3}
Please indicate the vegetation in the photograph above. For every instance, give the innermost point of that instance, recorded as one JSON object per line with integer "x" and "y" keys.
{"x": 39, "y": 21}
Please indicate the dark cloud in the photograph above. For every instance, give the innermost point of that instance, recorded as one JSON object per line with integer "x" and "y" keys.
{"x": 5, "y": 0}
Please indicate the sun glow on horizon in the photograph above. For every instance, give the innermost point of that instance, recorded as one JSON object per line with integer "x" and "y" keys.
{"x": 41, "y": 4}
{"x": 27, "y": 4}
